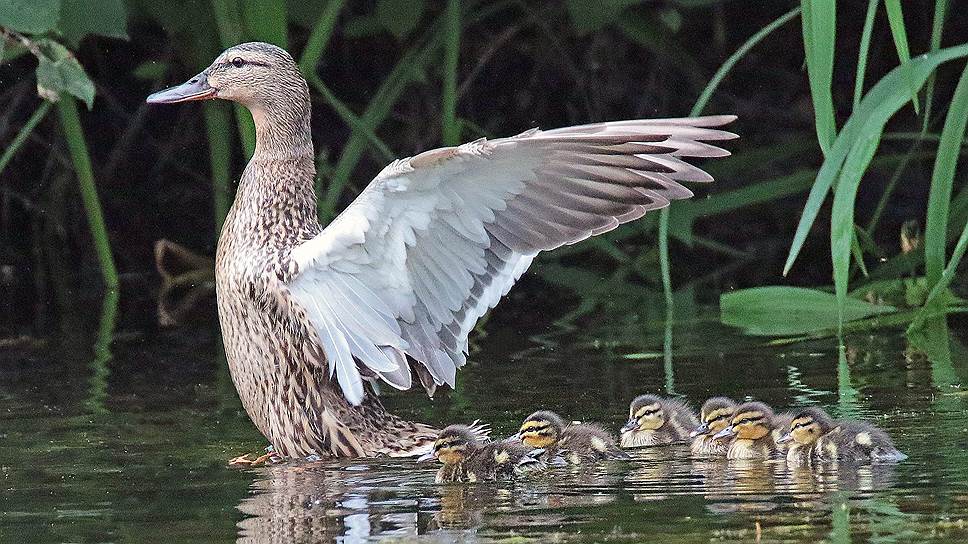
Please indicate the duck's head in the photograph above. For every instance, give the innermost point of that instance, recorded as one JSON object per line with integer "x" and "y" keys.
{"x": 453, "y": 445}
{"x": 808, "y": 426}
{"x": 751, "y": 421}
{"x": 260, "y": 76}
{"x": 646, "y": 413}
{"x": 715, "y": 415}
{"x": 541, "y": 429}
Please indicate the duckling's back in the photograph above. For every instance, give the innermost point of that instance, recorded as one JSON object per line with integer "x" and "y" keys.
{"x": 587, "y": 442}
{"x": 859, "y": 441}
{"x": 503, "y": 460}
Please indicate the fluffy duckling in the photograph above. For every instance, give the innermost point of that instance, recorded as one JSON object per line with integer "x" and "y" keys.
{"x": 655, "y": 421}
{"x": 752, "y": 431}
{"x": 715, "y": 415}
{"x": 468, "y": 456}
{"x": 814, "y": 435}
{"x": 576, "y": 443}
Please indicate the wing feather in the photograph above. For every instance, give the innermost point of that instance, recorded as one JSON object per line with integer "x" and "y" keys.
{"x": 435, "y": 241}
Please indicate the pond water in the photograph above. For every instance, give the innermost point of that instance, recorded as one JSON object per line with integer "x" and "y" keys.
{"x": 134, "y": 448}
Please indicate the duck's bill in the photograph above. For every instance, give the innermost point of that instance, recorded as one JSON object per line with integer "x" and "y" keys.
{"x": 630, "y": 426}
{"x": 725, "y": 433}
{"x": 514, "y": 439}
{"x": 196, "y": 88}
{"x": 427, "y": 457}
{"x": 784, "y": 439}
{"x": 702, "y": 429}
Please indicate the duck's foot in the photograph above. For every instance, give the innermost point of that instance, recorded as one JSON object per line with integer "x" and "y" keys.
{"x": 244, "y": 461}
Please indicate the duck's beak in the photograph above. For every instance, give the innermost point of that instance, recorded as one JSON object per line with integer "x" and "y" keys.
{"x": 784, "y": 439}
{"x": 427, "y": 457}
{"x": 725, "y": 433}
{"x": 630, "y": 425}
{"x": 515, "y": 438}
{"x": 702, "y": 429}
{"x": 196, "y": 88}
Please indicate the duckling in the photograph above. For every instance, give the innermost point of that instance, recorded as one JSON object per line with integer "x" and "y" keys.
{"x": 751, "y": 429}
{"x": 655, "y": 421}
{"x": 575, "y": 443}
{"x": 714, "y": 416}
{"x": 814, "y": 435}
{"x": 468, "y": 456}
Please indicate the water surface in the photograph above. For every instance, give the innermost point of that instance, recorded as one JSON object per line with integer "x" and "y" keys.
{"x": 133, "y": 448}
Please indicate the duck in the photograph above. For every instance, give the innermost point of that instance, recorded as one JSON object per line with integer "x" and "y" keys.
{"x": 751, "y": 432}
{"x": 572, "y": 443}
{"x": 657, "y": 421}
{"x": 815, "y": 436}
{"x": 467, "y": 456}
{"x": 714, "y": 416}
{"x": 315, "y": 320}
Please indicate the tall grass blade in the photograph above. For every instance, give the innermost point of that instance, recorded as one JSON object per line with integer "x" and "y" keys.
{"x": 218, "y": 121}
{"x": 819, "y": 20}
{"x": 942, "y": 180}
{"x": 864, "y": 51}
{"x": 23, "y": 133}
{"x": 319, "y": 36}
{"x": 265, "y": 21}
{"x": 701, "y": 102}
{"x": 451, "y": 125}
{"x": 412, "y": 62}
{"x": 879, "y": 105}
{"x": 895, "y": 18}
{"x": 231, "y": 31}
{"x": 937, "y": 26}
{"x": 74, "y": 134}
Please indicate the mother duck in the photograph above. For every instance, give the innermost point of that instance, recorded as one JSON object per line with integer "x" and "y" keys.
{"x": 311, "y": 317}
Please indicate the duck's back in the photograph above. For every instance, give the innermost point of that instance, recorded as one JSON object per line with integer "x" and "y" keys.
{"x": 859, "y": 441}
{"x": 588, "y": 442}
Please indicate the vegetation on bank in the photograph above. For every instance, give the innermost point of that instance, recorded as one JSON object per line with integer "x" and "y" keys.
{"x": 879, "y": 111}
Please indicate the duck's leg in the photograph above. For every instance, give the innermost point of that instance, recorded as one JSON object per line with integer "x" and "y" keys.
{"x": 269, "y": 457}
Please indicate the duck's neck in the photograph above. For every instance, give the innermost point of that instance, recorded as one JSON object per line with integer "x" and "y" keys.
{"x": 282, "y": 130}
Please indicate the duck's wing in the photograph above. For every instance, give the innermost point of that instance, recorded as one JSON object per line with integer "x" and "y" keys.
{"x": 437, "y": 239}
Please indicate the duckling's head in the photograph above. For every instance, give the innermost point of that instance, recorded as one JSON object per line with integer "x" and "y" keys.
{"x": 646, "y": 413}
{"x": 808, "y": 426}
{"x": 258, "y": 75}
{"x": 714, "y": 416}
{"x": 541, "y": 429}
{"x": 454, "y": 444}
{"x": 751, "y": 421}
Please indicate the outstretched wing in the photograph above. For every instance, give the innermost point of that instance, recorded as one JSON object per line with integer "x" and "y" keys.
{"x": 437, "y": 239}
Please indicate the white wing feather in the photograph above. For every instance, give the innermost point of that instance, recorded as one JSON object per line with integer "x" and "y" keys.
{"x": 436, "y": 240}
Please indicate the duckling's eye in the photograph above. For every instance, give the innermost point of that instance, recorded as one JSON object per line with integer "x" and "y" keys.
{"x": 238, "y": 62}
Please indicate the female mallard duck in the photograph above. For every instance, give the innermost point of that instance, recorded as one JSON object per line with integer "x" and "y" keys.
{"x": 575, "y": 443}
{"x": 392, "y": 287}
{"x": 814, "y": 436}
{"x": 655, "y": 421}
{"x": 715, "y": 415}
{"x": 468, "y": 456}
{"x": 751, "y": 430}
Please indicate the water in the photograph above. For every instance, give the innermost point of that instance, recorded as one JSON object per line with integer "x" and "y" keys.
{"x": 134, "y": 449}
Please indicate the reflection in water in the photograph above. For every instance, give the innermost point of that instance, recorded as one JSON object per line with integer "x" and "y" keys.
{"x": 355, "y": 502}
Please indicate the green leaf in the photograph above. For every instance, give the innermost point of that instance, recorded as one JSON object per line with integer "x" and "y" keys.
{"x": 895, "y": 18}
{"x": 819, "y": 32}
{"x": 592, "y": 16}
{"x": 866, "y": 123}
{"x": 30, "y": 16}
{"x": 865, "y": 45}
{"x": 399, "y": 17}
{"x": 82, "y": 17}
{"x": 63, "y": 75}
{"x": 942, "y": 180}
{"x": 786, "y": 311}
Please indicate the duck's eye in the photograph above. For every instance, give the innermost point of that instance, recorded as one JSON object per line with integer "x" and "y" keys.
{"x": 238, "y": 62}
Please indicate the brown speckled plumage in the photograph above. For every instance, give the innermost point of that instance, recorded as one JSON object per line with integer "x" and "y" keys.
{"x": 312, "y": 318}
{"x": 573, "y": 443}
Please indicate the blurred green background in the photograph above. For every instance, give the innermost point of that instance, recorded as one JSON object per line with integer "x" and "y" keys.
{"x": 846, "y": 177}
